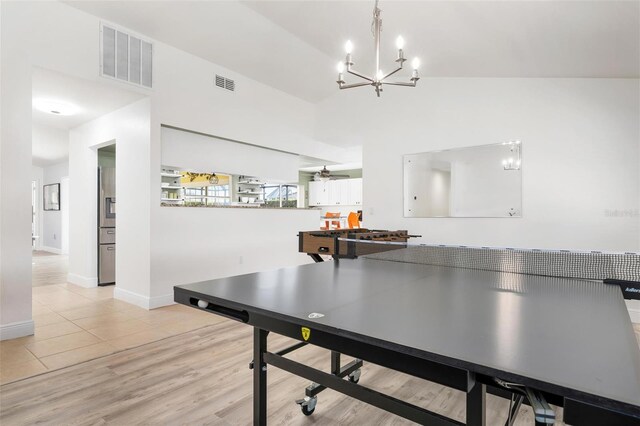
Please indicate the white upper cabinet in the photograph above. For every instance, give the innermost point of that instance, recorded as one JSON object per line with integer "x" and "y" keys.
{"x": 318, "y": 194}
{"x": 341, "y": 192}
{"x": 355, "y": 192}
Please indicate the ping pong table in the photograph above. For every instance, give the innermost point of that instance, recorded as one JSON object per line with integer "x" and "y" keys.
{"x": 464, "y": 319}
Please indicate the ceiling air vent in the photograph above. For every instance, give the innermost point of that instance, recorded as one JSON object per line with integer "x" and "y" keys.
{"x": 125, "y": 57}
{"x": 225, "y": 83}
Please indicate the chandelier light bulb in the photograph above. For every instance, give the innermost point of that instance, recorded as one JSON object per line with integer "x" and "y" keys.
{"x": 504, "y": 163}
{"x": 400, "y": 43}
{"x": 415, "y": 63}
{"x": 348, "y": 47}
{"x": 340, "y": 67}
{"x": 379, "y": 75}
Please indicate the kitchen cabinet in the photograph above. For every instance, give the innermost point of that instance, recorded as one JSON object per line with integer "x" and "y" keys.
{"x": 318, "y": 193}
{"x": 340, "y": 192}
{"x": 355, "y": 192}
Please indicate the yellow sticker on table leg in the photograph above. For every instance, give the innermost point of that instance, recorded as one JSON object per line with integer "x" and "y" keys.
{"x": 306, "y": 333}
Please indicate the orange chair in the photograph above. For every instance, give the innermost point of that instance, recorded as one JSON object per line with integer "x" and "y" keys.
{"x": 353, "y": 220}
{"x": 333, "y": 224}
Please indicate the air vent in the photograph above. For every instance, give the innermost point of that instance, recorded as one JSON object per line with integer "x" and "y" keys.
{"x": 225, "y": 83}
{"x": 125, "y": 57}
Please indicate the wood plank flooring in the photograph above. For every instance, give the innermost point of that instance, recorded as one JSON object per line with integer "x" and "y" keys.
{"x": 202, "y": 377}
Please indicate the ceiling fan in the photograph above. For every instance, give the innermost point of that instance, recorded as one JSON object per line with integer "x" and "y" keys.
{"x": 325, "y": 175}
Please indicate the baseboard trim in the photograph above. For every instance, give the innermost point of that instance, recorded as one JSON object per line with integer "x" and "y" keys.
{"x": 160, "y": 301}
{"x": 16, "y": 329}
{"x": 51, "y": 249}
{"x": 82, "y": 281}
{"x": 142, "y": 301}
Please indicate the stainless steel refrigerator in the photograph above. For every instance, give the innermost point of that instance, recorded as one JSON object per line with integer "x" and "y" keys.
{"x": 106, "y": 225}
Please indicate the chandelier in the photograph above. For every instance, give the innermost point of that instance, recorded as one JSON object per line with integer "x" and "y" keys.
{"x": 380, "y": 78}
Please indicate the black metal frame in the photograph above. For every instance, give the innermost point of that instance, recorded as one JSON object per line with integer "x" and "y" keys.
{"x": 474, "y": 384}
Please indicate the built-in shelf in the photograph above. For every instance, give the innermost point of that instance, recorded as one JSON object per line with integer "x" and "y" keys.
{"x": 248, "y": 191}
{"x": 170, "y": 185}
{"x": 170, "y": 175}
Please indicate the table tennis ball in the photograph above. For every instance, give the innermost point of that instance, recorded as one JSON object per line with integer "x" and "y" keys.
{"x": 202, "y": 304}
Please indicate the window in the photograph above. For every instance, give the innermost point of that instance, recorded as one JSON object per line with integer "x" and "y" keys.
{"x": 218, "y": 194}
{"x": 285, "y": 196}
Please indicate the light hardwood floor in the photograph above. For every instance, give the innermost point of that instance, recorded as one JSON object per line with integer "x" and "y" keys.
{"x": 194, "y": 371}
{"x": 202, "y": 377}
{"x": 75, "y": 324}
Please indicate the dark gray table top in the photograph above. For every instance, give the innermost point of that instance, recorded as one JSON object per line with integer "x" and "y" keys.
{"x": 569, "y": 333}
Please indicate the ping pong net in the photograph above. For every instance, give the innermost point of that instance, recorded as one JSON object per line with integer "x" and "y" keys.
{"x": 616, "y": 268}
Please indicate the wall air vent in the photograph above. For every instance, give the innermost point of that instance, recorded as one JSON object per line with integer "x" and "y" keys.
{"x": 125, "y": 57}
{"x": 225, "y": 83}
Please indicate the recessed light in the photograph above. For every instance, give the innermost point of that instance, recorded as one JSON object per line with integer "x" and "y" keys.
{"x": 51, "y": 106}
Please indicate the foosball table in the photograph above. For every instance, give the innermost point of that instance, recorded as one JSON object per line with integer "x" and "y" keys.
{"x": 333, "y": 242}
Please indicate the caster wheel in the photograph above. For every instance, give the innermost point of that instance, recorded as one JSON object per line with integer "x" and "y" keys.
{"x": 354, "y": 377}
{"x": 308, "y": 405}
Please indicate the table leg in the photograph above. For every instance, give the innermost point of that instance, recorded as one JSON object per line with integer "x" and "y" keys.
{"x": 476, "y": 405}
{"x": 335, "y": 363}
{"x": 259, "y": 377}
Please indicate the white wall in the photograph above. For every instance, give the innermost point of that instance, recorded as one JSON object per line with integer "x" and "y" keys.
{"x": 51, "y": 237}
{"x": 129, "y": 128}
{"x": 15, "y": 181}
{"x": 581, "y": 146}
{"x": 200, "y": 153}
{"x": 54, "y": 36}
{"x": 49, "y": 145}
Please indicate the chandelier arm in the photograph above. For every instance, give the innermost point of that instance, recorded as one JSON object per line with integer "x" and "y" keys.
{"x": 392, "y": 72}
{"x": 401, "y": 83}
{"x": 349, "y": 86}
{"x": 356, "y": 73}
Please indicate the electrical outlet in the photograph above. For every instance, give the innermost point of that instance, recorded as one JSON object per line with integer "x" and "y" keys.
{"x": 241, "y": 260}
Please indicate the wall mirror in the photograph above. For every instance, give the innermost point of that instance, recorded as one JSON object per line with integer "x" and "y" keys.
{"x": 51, "y": 195}
{"x": 479, "y": 181}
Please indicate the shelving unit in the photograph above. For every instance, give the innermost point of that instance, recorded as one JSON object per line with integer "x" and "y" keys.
{"x": 249, "y": 190}
{"x": 170, "y": 187}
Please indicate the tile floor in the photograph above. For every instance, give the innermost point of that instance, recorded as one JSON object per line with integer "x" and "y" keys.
{"x": 75, "y": 324}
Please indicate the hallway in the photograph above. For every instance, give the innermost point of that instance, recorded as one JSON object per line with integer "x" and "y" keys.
{"x": 49, "y": 268}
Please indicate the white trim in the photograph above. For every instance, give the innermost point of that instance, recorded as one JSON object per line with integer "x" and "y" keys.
{"x": 86, "y": 282}
{"x": 51, "y": 249}
{"x": 16, "y": 329}
{"x": 142, "y": 301}
{"x": 160, "y": 301}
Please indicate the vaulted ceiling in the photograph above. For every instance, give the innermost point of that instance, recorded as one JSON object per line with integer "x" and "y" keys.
{"x": 294, "y": 46}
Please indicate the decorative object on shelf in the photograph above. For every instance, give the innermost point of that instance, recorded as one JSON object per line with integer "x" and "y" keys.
{"x": 379, "y": 79}
{"x": 515, "y": 160}
{"x": 51, "y": 195}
